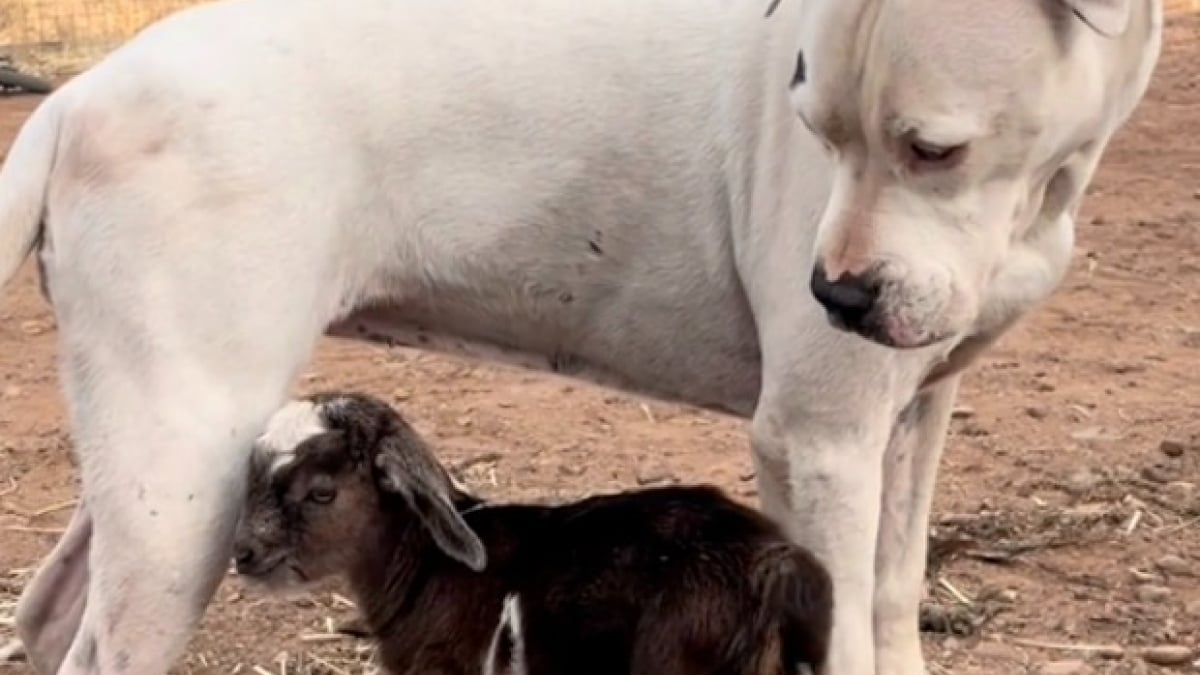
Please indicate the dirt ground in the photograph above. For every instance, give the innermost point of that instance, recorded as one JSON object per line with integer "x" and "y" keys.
{"x": 1067, "y": 513}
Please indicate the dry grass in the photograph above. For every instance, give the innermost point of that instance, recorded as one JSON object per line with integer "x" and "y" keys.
{"x": 324, "y": 652}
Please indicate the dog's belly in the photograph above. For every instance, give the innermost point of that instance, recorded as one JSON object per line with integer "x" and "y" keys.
{"x": 720, "y": 372}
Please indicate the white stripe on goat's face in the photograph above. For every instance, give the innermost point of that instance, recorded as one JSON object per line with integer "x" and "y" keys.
{"x": 290, "y": 426}
{"x": 506, "y": 654}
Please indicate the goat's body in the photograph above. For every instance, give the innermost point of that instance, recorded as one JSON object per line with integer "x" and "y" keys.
{"x": 656, "y": 582}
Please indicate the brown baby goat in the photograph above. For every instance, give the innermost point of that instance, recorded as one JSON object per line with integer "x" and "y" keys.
{"x": 669, "y": 581}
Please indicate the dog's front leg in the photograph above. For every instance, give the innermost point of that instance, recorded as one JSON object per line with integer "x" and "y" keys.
{"x": 909, "y": 474}
{"x": 819, "y": 457}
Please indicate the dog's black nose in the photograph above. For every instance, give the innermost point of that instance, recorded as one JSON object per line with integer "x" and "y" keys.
{"x": 848, "y": 300}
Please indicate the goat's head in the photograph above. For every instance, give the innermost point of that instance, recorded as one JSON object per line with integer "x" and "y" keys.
{"x": 325, "y": 476}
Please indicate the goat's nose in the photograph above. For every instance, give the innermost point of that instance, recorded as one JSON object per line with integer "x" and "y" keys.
{"x": 243, "y": 555}
{"x": 849, "y": 299}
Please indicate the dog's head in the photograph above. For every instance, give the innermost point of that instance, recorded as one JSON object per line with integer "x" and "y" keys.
{"x": 963, "y": 134}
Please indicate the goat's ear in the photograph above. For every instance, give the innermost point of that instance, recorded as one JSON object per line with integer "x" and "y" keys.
{"x": 1107, "y": 17}
{"x": 408, "y": 469}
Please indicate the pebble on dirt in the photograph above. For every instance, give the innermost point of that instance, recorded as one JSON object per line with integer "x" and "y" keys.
{"x": 1152, "y": 593}
{"x": 1167, "y": 655}
{"x": 1171, "y": 447}
{"x": 1174, "y": 565}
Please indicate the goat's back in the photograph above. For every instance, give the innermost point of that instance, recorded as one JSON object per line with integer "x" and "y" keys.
{"x": 656, "y": 582}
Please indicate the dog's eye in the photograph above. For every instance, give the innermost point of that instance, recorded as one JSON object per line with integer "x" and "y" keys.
{"x": 929, "y": 153}
{"x": 322, "y": 494}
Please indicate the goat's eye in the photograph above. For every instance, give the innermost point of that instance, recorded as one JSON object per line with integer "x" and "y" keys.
{"x": 936, "y": 155}
{"x": 322, "y": 495}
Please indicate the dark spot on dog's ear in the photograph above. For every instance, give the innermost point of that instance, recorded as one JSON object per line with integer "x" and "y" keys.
{"x": 772, "y": 7}
{"x": 801, "y": 73}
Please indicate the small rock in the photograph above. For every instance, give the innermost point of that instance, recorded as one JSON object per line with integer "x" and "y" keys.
{"x": 1068, "y": 667}
{"x": 1008, "y": 596}
{"x": 747, "y": 492}
{"x": 650, "y": 475}
{"x": 465, "y": 421}
{"x": 1037, "y": 412}
{"x": 1167, "y": 655}
{"x": 1088, "y": 434}
{"x": 401, "y": 395}
{"x": 748, "y": 476}
{"x": 962, "y": 412}
{"x": 33, "y": 327}
{"x": 1150, "y": 593}
{"x": 1172, "y": 448}
{"x": 572, "y": 469}
{"x": 1142, "y": 576}
{"x": 1174, "y": 565}
{"x": 1081, "y": 482}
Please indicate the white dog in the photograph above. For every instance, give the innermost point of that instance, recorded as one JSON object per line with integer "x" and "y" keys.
{"x": 667, "y": 196}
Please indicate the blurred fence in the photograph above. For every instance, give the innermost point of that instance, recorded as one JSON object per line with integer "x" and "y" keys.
{"x": 58, "y": 35}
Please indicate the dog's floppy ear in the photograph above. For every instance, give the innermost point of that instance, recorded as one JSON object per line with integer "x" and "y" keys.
{"x": 1107, "y": 17}
{"x": 407, "y": 468}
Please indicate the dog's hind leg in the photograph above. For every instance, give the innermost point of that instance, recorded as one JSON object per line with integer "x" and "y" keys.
{"x": 173, "y": 355}
{"x": 52, "y": 603}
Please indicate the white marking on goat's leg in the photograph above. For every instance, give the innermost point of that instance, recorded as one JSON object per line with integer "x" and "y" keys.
{"x": 910, "y": 472}
{"x": 52, "y": 603}
{"x": 823, "y": 485}
{"x": 506, "y": 653}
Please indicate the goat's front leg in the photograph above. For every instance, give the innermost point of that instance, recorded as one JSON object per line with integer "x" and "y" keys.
{"x": 819, "y": 474}
{"x": 910, "y": 472}
{"x": 52, "y": 603}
